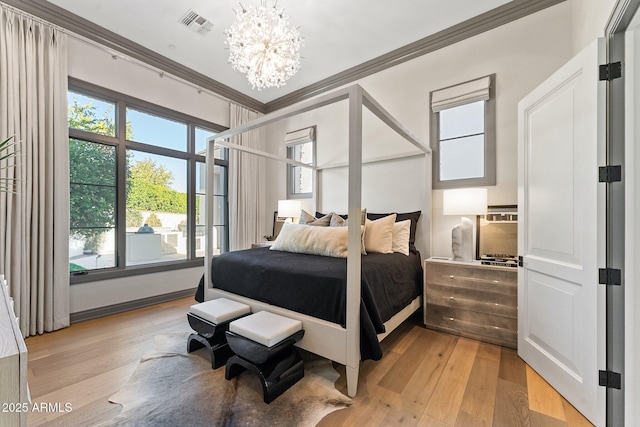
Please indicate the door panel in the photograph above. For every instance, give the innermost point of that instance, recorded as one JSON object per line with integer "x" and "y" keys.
{"x": 559, "y": 204}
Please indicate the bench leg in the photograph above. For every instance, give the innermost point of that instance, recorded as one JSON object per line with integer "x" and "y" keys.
{"x": 218, "y": 349}
{"x": 276, "y": 375}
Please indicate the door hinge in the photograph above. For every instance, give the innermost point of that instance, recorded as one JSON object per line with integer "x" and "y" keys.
{"x": 520, "y": 262}
{"x": 610, "y": 173}
{"x": 610, "y": 71}
{"x": 610, "y": 276}
{"x": 610, "y": 379}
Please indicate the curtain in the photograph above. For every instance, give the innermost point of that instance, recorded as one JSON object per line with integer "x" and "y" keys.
{"x": 34, "y": 217}
{"x": 246, "y": 183}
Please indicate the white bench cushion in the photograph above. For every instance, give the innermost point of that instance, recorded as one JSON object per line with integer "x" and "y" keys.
{"x": 265, "y": 328}
{"x": 219, "y": 310}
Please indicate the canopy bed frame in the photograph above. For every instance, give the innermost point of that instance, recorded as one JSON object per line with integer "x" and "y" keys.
{"x": 324, "y": 338}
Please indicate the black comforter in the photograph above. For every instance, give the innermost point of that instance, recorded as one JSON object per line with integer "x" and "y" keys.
{"x": 316, "y": 286}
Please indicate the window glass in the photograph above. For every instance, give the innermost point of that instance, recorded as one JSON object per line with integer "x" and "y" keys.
{"x": 462, "y": 121}
{"x": 300, "y": 178}
{"x": 222, "y": 153}
{"x": 219, "y": 209}
{"x": 150, "y": 129}
{"x": 91, "y": 114}
{"x": 462, "y": 158}
{"x": 156, "y": 220}
{"x": 92, "y": 196}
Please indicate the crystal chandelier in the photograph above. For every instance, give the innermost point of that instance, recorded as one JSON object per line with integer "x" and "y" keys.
{"x": 264, "y": 46}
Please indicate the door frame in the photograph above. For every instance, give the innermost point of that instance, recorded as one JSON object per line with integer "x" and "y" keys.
{"x": 618, "y": 331}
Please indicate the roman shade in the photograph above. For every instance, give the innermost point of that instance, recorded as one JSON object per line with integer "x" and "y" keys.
{"x": 300, "y": 136}
{"x": 465, "y": 93}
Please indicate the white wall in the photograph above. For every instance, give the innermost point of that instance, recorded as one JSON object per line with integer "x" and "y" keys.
{"x": 590, "y": 18}
{"x": 95, "y": 65}
{"x": 521, "y": 54}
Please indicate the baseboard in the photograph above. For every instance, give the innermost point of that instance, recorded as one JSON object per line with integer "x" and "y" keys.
{"x": 95, "y": 313}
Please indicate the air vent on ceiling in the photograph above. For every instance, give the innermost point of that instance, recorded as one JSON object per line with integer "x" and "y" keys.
{"x": 196, "y": 22}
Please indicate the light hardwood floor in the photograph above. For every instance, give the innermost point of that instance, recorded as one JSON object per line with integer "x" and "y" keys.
{"x": 425, "y": 377}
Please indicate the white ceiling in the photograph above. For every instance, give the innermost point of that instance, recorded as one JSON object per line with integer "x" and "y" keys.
{"x": 338, "y": 34}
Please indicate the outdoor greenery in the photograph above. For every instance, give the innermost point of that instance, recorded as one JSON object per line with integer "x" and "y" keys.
{"x": 153, "y": 220}
{"x": 149, "y": 189}
{"x": 93, "y": 181}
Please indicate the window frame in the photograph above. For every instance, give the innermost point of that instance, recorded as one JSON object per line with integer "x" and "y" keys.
{"x": 290, "y": 192}
{"x": 489, "y": 177}
{"x": 121, "y": 144}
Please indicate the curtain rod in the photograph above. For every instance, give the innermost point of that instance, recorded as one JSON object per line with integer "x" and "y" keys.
{"x": 24, "y": 14}
{"x": 118, "y": 55}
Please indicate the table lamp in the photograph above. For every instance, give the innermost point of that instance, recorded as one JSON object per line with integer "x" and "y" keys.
{"x": 289, "y": 209}
{"x": 464, "y": 201}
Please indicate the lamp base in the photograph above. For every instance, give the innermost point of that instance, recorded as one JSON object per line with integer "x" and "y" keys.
{"x": 462, "y": 241}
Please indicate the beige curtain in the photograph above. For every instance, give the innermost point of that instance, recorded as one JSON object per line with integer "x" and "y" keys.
{"x": 246, "y": 184}
{"x": 34, "y": 218}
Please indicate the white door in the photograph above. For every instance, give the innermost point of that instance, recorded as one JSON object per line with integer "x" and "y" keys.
{"x": 561, "y": 331}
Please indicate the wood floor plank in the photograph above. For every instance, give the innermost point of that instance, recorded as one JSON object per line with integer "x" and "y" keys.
{"x": 542, "y": 397}
{"x": 447, "y": 397}
{"x": 91, "y": 414}
{"x": 574, "y": 418}
{"x": 83, "y": 393}
{"x": 542, "y": 420}
{"x": 403, "y": 412}
{"x": 406, "y": 340}
{"x": 87, "y": 362}
{"x": 467, "y": 420}
{"x": 489, "y": 351}
{"x": 511, "y": 405}
{"x": 479, "y": 396}
{"x": 399, "y": 374}
{"x": 422, "y": 384}
{"x": 512, "y": 367}
{"x": 372, "y": 407}
{"x": 428, "y": 421}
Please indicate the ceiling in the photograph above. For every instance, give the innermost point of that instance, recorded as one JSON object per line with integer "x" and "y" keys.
{"x": 338, "y": 34}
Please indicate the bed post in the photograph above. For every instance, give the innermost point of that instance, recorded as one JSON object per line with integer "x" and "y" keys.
{"x": 354, "y": 239}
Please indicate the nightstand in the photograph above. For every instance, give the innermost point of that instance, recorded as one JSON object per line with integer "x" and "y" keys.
{"x": 472, "y": 300}
{"x": 265, "y": 244}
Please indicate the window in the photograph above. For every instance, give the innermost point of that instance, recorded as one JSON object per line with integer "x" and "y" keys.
{"x": 463, "y": 134}
{"x": 301, "y": 148}
{"x": 137, "y": 186}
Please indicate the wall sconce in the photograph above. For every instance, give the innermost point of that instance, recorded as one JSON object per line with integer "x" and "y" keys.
{"x": 464, "y": 201}
{"x": 289, "y": 209}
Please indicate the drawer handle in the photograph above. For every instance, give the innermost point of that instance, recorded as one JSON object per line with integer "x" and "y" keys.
{"x": 451, "y": 319}
{"x": 451, "y": 277}
{"x": 451, "y": 298}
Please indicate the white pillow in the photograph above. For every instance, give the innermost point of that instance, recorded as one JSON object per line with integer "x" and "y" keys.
{"x": 401, "y": 231}
{"x": 378, "y": 235}
{"x": 307, "y": 239}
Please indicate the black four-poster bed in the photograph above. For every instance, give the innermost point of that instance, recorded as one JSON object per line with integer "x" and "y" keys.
{"x": 335, "y": 341}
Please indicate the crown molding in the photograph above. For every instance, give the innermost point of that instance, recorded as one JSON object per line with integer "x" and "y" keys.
{"x": 487, "y": 21}
{"x": 85, "y": 28}
{"x": 504, "y": 14}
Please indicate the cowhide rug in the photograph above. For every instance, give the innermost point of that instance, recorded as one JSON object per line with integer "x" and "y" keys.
{"x": 171, "y": 387}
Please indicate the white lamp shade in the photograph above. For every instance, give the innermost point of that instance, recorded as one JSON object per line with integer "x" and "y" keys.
{"x": 289, "y": 208}
{"x": 464, "y": 201}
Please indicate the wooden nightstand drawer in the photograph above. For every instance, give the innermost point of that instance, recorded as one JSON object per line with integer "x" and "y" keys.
{"x": 478, "y": 277}
{"x": 472, "y": 300}
{"x": 436, "y": 313}
{"x": 479, "y": 301}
